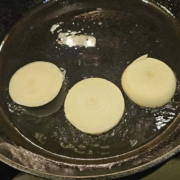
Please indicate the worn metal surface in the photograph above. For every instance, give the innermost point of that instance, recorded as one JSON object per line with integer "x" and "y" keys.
{"x": 40, "y": 140}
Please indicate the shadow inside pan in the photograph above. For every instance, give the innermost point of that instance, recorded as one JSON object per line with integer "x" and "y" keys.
{"x": 117, "y": 33}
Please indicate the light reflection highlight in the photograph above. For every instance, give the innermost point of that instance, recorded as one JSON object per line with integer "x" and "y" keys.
{"x": 73, "y": 39}
{"x": 1, "y": 45}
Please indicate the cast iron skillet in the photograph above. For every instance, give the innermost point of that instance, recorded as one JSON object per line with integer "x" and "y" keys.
{"x": 40, "y": 140}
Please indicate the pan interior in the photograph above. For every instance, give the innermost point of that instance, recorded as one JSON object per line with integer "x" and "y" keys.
{"x": 123, "y": 30}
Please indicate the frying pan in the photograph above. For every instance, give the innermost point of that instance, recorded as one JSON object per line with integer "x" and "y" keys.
{"x": 40, "y": 140}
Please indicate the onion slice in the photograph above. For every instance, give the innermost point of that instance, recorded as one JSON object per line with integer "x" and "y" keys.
{"x": 35, "y": 84}
{"x": 149, "y": 82}
{"x": 94, "y": 105}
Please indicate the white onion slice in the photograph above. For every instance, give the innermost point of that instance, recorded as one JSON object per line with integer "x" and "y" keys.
{"x": 35, "y": 84}
{"x": 149, "y": 82}
{"x": 94, "y": 105}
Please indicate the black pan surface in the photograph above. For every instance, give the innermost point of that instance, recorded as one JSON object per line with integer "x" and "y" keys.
{"x": 41, "y": 140}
